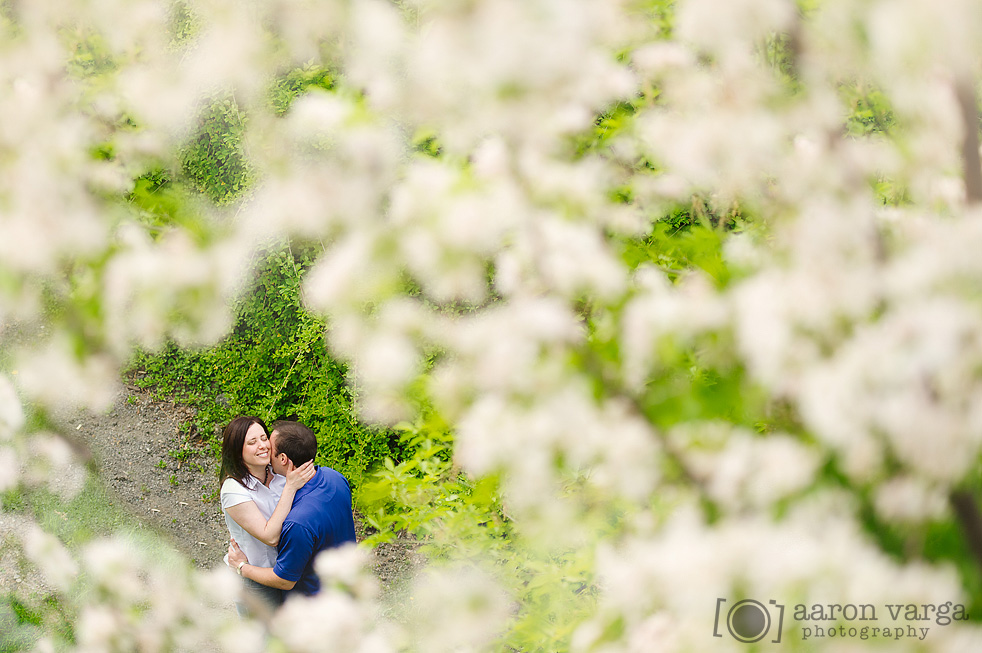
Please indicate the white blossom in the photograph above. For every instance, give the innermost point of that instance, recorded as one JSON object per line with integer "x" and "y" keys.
{"x": 11, "y": 412}
{"x": 472, "y": 609}
{"x": 740, "y": 470}
{"x": 909, "y": 500}
{"x": 44, "y": 549}
{"x": 55, "y": 376}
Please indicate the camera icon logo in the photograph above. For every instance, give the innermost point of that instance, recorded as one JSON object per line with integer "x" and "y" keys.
{"x": 749, "y": 620}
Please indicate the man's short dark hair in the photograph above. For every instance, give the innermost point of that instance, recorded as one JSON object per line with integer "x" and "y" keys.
{"x": 295, "y": 440}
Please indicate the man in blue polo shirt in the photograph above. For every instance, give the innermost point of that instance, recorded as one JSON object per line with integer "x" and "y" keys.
{"x": 321, "y": 516}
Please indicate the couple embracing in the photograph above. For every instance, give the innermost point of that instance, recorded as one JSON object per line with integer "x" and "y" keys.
{"x": 281, "y": 510}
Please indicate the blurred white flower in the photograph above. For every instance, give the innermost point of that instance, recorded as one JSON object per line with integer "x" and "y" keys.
{"x": 51, "y": 464}
{"x": 912, "y": 35}
{"x": 354, "y": 273}
{"x": 655, "y": 59}
{"x": 101, "y": 629}
{"x": 56, "y": 376}
{"x": 721, "y": 28}
{"x": 113, "y": 565}
{"x": 660, "y": 310}
{"x": 305, "y": 624}
{"x": 11, "y": 411}
{"x": 458, "y": 609}
{"x": 147, "y": 281}
{"x": 911, "y": 378}
{"x": 519, "y": 363}
{"x": 741, "y": 470}
{"x": 47, "y": 552}
{"x": 12, "y": 477}
{"x": 375, "y": 56}
{"x": 347, "y": 568}
{"x": 909, "y": 499}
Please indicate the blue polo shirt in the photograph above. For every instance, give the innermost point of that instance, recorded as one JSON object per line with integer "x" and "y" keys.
{"x": 320, "y": 519}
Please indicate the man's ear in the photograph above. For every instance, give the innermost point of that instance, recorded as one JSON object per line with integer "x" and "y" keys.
{"x": 286, "y": 462}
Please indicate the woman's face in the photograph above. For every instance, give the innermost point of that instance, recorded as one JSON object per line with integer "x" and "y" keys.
{"x": 255, "y": 449}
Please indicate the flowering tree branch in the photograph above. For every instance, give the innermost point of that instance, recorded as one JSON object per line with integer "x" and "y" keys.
{"x": 965, "y": 91}
{"x": 967, "y": 511}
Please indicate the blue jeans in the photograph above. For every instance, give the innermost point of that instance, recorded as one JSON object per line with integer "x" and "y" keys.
{"x": 269, "y": 597}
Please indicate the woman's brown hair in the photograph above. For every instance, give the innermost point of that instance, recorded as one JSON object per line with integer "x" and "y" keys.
{"x": 233, "y": 438}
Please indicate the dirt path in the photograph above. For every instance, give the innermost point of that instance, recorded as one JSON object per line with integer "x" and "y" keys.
{"x": 156, "y": 476}
{"x": 171, "y": 484}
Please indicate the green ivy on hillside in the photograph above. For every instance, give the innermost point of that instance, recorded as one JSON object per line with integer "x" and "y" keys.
{"x": 213, "y": 159}
{"x": 295, "y": 83}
